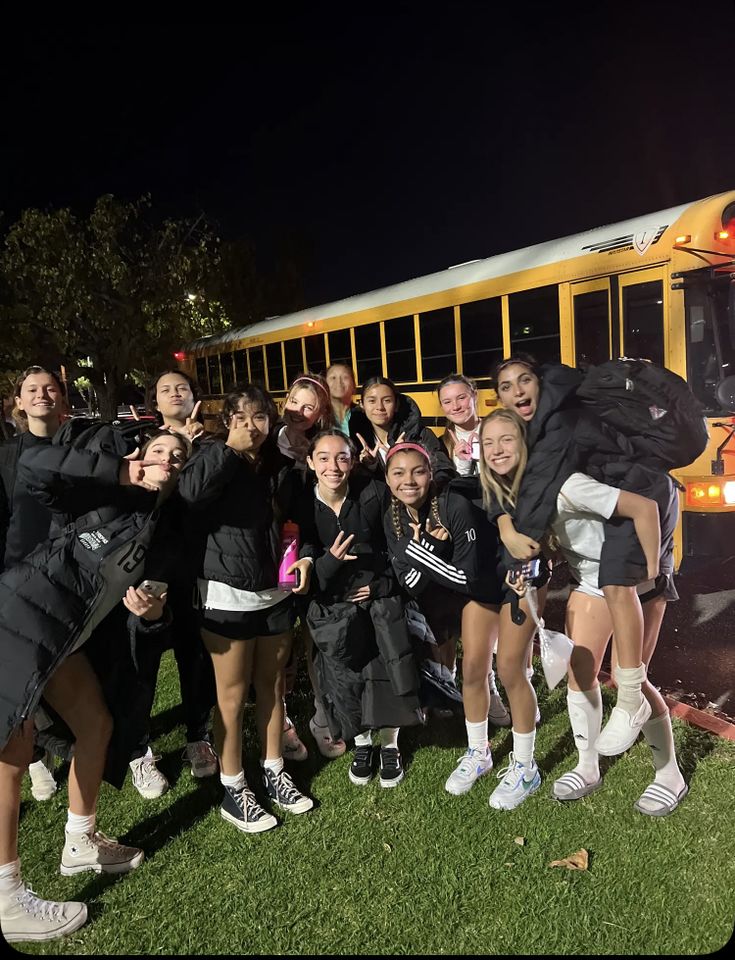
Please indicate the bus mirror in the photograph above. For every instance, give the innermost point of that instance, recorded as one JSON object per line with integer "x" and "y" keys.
{"x": 725, "y": 393}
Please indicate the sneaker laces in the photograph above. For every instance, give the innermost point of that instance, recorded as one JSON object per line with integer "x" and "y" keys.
{"x": 468, "y": 761}
{"x": 147, "y": 772}
{"x": 512, "y": 774}
{"x": 246, "y": 801}
{"x": 363, "y": 755}
{"x": 390, "y": 759}
{"x": 37, "y": 907}
{"x": 285, "y": 787}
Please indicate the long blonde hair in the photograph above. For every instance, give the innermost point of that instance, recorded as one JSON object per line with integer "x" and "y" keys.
{"x": 503, "y": 490}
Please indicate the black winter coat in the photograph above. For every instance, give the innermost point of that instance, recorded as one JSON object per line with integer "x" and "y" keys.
{"x": 52, "y": 600}
{"x": 407, "y": 421}
{"x": 364, "y": 656}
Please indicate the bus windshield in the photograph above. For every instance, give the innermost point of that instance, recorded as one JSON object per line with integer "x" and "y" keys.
{"x": 710, "y": 340}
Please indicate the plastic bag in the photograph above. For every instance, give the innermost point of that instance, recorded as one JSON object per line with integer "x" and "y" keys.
{"x": 556, "y": 648}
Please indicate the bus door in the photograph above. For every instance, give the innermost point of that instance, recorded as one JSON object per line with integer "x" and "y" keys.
{"x": 643, "y": 328}
{"x": 591, "y": 321}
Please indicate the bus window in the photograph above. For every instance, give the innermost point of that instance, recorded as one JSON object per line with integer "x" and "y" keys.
{"x": 275, "y": 367}
{"x": 340, "y": 348}
{"x": 241, "y": 366}
{"x": 643, "y": 320}
{"x": 228, "y": 372}
{"x": 294, "y": 359}
{"x": 710, "y": 341}
{"x": 591, "y": 327}
{"x": 316, "y": 356}
{"x": 367, "y": 350}
{"x": 534, "y": 323}
{"x": 257, "y": 366}
{"x": 482, "y": 336}
{"x": 215, "y": 377}
{"x": 202, "y": 376}
{"x": 400, "y": 350}
{"x": 438, "y": 356}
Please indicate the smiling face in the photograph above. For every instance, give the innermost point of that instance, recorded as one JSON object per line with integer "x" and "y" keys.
{"x": 459, "y": 404}
{"x": 332, "y": 462}
{"x": 502, "y": 445}
{"x": 40, "y": 398}
{"x": 251, "y": 420}
{"x": 409, "y": 477}
{"x": 174, "y": 398}
{"x": 302, "y": 408}
{"x": 518, "y": 389}
{"x": 380, "y": 405}
{"x": 341, "y": 383}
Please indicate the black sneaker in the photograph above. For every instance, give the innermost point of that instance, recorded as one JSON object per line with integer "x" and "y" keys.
{"x": 283, "y": 792}
{"x": 361, "y": 768}
{"x": 391, "y": 768}
{"x": 241, "y": 808}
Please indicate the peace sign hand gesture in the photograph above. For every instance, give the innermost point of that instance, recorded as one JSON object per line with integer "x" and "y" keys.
{"x": 368, "y": 455}
{"x": 340, "y": 547}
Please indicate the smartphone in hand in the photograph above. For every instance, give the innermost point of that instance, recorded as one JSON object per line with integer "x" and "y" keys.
{"x": 156, "y": 588}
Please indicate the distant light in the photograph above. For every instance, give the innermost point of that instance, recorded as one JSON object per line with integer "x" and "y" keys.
{"x": 310, "y": 323}
{"x": 191, "y": 297}
{"x": 179, "y": 356}
{"x": 684, "y": 238}
{"x": 659, "y": 301}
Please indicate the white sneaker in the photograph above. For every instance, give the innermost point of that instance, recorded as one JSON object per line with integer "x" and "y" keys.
{"x": 147, "y": 778}
{"x": 202, "y": 758}
{"x": 25, "y": 916}
{"x": 622, "y": 729}
{"x": 473, "y": 765}
{"x": 43, "y": 784}
{"x": 518, "y": 782}
{"x": 498, "y": 714}
{"x": 95, "y": 851}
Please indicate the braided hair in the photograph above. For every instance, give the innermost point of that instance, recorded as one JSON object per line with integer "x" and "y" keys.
{"x": 395, "y": 503}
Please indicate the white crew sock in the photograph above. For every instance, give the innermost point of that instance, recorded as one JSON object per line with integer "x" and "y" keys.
{"x": 629, "y": 681}
{"x": 275, "y": 765}
{"x": 237, "y": 782}
{"x": 660, "y": 738}
{"x": 77, "y": 825}
{"x": 389, "y": 737}
{"x": 364, "y": 739}
{"x": 477, "y": 738}
{"x": 10, "y": 877}
{"x": 585, "y": 716}
{"x": 523, "y": 744}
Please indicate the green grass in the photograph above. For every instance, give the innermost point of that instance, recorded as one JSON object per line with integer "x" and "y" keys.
{"x": 405, "y": 871}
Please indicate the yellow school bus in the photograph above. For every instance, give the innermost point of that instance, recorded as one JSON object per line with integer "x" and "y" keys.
{"x": 660, "y": 286}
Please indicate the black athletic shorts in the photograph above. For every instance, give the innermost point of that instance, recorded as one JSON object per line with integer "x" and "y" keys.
{"x": 246, "y": 624}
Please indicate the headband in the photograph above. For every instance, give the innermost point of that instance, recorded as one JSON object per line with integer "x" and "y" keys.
{"x": 406, "y": 445}
{"x": 315, "y": 382}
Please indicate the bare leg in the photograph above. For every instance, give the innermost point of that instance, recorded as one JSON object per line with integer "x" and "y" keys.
{"x": 514, "y": 642}
{"x": 75, "y": 694}
{"x": 479, "y": 629}
{"x": 233, "y": 663}
{"x": 627, "y": 618}
{"x": 14, "y": 759}
{"x": 271, "y": 654}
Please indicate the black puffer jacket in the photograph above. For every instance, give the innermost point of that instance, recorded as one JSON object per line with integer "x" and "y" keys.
{"x": 235, "y": 514}
{"x": 407, "y": 421}
{"x": 51, "y": 601}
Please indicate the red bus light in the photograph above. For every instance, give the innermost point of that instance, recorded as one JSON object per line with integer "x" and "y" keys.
{"x": 179, "y": 356}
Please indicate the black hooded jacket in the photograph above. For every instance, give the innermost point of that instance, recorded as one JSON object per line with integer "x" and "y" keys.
{"x": 407, "y": 421}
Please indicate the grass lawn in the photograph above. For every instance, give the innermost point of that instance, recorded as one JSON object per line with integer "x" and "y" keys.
{"x": 406, "y": 871}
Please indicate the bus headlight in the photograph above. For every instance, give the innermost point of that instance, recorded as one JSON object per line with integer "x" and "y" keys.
{"x": 729, "y": 491}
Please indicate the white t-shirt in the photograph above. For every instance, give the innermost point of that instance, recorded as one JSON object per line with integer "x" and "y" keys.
{"x": 582, "y": 506}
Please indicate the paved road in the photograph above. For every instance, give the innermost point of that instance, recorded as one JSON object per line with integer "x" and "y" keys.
{"x": 695, "y": 658}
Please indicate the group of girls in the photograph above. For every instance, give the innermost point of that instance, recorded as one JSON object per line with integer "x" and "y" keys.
{"x": 406, "y": 543}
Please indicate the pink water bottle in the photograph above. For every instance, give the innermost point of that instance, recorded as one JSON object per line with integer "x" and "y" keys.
{"x": 289, "y": 556}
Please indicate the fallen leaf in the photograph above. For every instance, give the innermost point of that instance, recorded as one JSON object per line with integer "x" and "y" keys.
{"x": 509, "y": 864}
{"x": 575, "y": 861}
{"x": 387, "y": 846}
{"x": 520, "y": 841}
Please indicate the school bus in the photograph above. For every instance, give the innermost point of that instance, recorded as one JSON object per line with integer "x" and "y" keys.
{"x": 660, "y": 286}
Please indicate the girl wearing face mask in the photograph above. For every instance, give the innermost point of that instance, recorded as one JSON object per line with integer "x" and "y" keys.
{"x": 582, "y": 506}
{"x": 365, "y": 664}
{"x": 389, "y": 418}
{"x": 563, "y": 437}
{"x": 233, "y": 489}
{"x": 444, "y": 553}
{"x": 51, "y": 603}
{"x": 308, "y": 410}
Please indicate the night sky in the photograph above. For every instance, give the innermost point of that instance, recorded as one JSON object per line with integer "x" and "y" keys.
{"x": 384, "y": 147}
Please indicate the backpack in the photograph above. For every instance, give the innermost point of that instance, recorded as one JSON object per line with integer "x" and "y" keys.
{"x": 121, "y": 437}
{"x": 651, "y": 406}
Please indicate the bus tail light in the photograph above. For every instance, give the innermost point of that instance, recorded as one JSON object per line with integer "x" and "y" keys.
{"x": 710, "y": 493}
